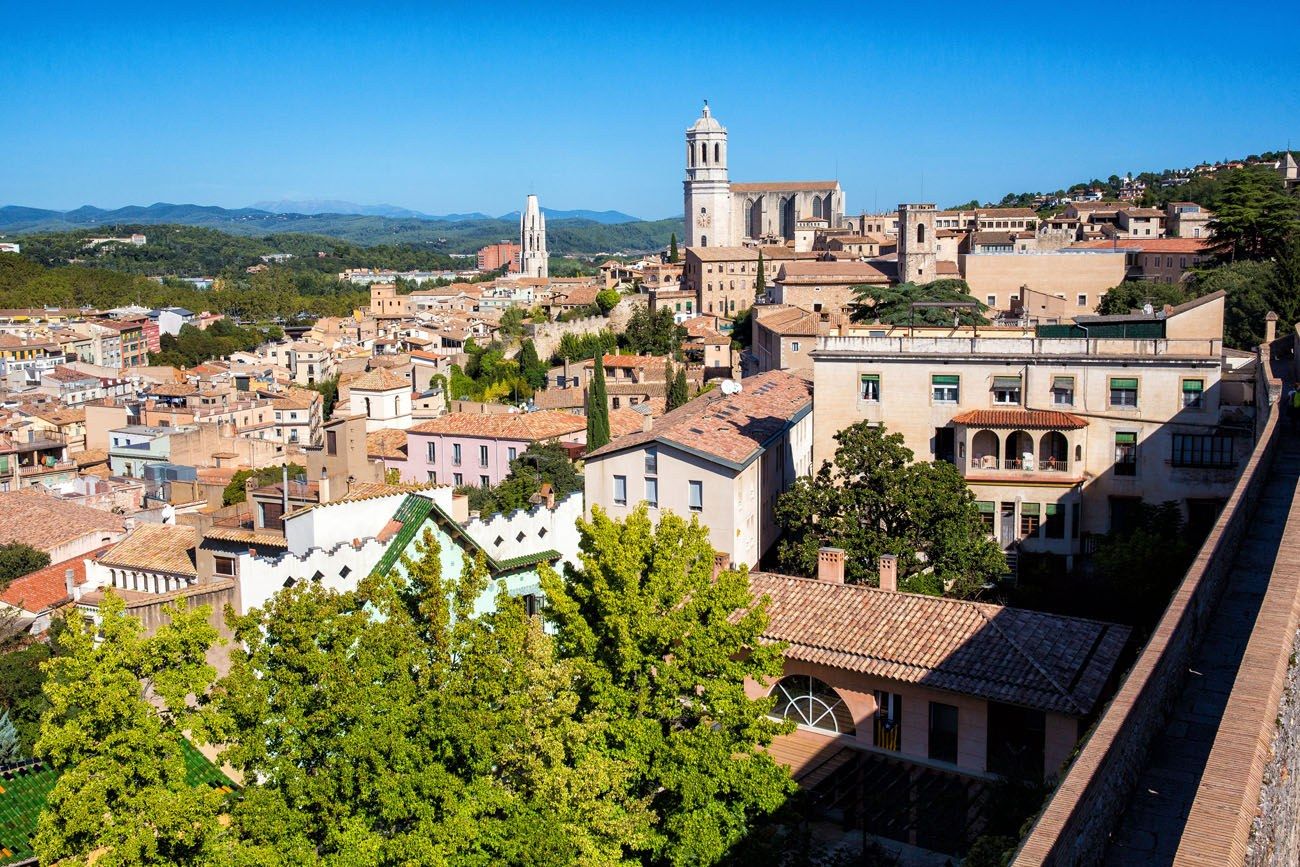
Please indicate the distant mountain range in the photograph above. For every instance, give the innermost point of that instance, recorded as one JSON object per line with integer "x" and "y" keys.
{"x": 334, "y": 206}
{"x": 568, "y": 231}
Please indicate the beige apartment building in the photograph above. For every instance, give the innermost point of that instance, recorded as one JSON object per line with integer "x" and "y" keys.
{"x": 723, "y": 457}
{"x": 1059, "y": 430}
{"x": 725, "y": 279}
{"x": 824, "y": 287}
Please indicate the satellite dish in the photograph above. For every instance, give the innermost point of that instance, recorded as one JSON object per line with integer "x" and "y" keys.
{"x": 1147, "y": 309}
{"x": 730, "y": 386}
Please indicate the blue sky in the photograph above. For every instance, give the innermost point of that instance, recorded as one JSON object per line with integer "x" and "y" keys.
{"x": 446, "y": 107}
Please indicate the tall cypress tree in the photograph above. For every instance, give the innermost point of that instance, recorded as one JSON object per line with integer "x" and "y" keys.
{"x": 678, "y": 391}
{"x": 597, "y": 408}
{"x": 760, "y": 286}
{"x": 672, "y": 249}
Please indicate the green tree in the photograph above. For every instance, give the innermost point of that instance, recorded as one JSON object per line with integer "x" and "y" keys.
{"x": 11, "y": 745}
{"x": 512, "y": 321}
{"x": 21, "y": 686}
{"x": 1133, "y": 294}
{"x": 540, "y": 464}
{"x": 236, "y": 489}
{"x": 661, "y": 655}
{"x": 18, "y": 559}
{"x": 597, "y": 408}
{"x": 531, "y": 367}
{"x": 119, "y": 704}
{"x": 654, "y": 333}
{"x": 329, "y": 392}
{"x": 607, "y": 300}
{"x": 875, "y": 499}
{"x": 678, "y": 390}
{"x": 672, "y": 249}
{"x": 1254, "y": 217}
{"x": 391, "y": 725}
{"x": 1141, "y": 564}
{"x": 760, "y": 284}
{"x": 892, "y": 305}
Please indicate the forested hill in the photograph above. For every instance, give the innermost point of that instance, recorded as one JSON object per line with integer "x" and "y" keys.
{"x": 565, "y": 236}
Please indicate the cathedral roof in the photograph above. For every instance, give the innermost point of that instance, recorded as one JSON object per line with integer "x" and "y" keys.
{"x": 706, "y": 122}
{"x": 786, "y": 187}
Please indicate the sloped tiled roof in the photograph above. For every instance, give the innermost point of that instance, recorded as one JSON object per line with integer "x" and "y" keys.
{"x": 155, "y": 548}
{"x": 46, "y": 522}
{"x": 730, "y": 429}
{"x": 781, "y": 186}
{"x": 1029, "y": 658}
{"x": 379, "y": 380}
{"x": 45, "y": 588}
{"x": 1024, "y": 419}
{"x": 529, "y": 426}
{"x": 388, "y": 443}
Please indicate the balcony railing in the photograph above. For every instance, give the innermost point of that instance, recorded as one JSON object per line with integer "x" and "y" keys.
{"x": 992, "y": 462}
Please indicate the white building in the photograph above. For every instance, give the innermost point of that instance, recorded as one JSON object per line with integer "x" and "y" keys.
{"x": 533, "y": 258}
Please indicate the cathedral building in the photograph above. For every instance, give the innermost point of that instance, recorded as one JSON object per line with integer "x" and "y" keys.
{"x": 534, "y": 261}
{"x": 724, "y": 214}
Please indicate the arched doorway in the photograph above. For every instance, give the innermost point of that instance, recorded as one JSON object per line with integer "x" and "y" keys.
{"x": 1019, "y": 452}
{"x": 1054, "y": 452}
{"x": 984, "y": 450}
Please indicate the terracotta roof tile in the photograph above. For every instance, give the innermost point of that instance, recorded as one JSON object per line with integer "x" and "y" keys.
{"x": 45, "y": 588}
{"x": 525, "y": 426}
{"x": 155, "y": 548}
{"x": 379, "y": 380}
{"x": 1025, "y": 419}
{"x": 46, "y": 522}
{"x": 388, "y": 443}
{"x": 1029, "y": 658}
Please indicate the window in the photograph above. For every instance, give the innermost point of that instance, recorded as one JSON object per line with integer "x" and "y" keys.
{"x": 945, "y": 387}
{"x": 1193, "y": 390}
{"x": 887, "y": 727}
{"x": 809, "y": 702}
{"x": 1054, "y": 525}
{"x": 1028, "y": 519}
{"x": 331, "y": 442}
{"x": 512, "y": 453}
{"x": 1063, "y": 390}
{"x": 943, "y": 732}
{"x": 870, "y": 387}
{"x": 482, "y": 456}
{"x": 455, "y": 454}
{"x": 620, "y": 490}
{"x": 457, "y": 479}
{"x": 652, "y": 492}
{"x": 433, "y": 451}
{"x": 1126, "y": 453}
{"x": 986, "y": 510}
{"x": 794, "y": 346}
{"x": 1202, "y": 450}
{"x": 484, "y": 482}
{"x": 697, "y": 495}
{"x": 1082, "y": 300}
{"x": 433, "y": 477}
{"x": 991, "y": 300}
{"x": 225, "y": 566}
{"x": 617, "y": 403}
{"x": 1006, "y": 389}
{"x": 1123, "y": 392}
{"x": 652, "y": 460}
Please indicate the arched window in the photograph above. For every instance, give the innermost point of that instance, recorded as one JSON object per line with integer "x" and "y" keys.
{"x": 704, "y": 154}
{"x": 920, "y": 233}
{"x": 690, "y": 153}
{"x": 809, "y": 702}
{"x": 717, "y": 152}
{"x": 817, "y": 206}
{"x": 704, "y": 240}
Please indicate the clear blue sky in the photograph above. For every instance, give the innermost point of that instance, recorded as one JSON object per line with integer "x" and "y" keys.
{"x": 447, "y": 107}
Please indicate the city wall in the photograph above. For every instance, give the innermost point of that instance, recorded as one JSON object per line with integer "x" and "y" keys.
{"x": 546, "y": 336}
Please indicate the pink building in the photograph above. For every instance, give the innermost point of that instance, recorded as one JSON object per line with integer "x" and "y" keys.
{"x": 472, "y": 449}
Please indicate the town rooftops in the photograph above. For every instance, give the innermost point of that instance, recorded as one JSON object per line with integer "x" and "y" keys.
{"x": 155, "y": 548}
{"x": 523, "y": 426}
{"x": 45, "y": 588}
{"x": 45, "y": 522}
{"x": 794, "y": 321}
{"x": 389, "y": 443}
{"x": 729, "y": 429}
{"x": 739, "y": 254}
{"x": 1028, "y": 658}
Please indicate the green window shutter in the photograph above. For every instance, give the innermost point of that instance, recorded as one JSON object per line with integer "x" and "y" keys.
{"x": 1066, "y": 382}
{"x": 1006, "y": 382}
{"x": 871, "y": 377}
{"x": 1193, "y": 385}
{"x": 985, "y": 506}
{"x": 945, "y": 379}
{"x": 1126, "y": 439}
{"x": 1029, "y": 508}
{"x": 1053, "y": 509}
{"x": 1123, "y": 383}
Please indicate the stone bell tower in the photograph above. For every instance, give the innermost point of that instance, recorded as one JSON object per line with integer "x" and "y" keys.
{"x": 708, "y": 192}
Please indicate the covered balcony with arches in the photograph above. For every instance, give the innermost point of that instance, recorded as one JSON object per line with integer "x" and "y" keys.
{"x": 1045, "y": 444}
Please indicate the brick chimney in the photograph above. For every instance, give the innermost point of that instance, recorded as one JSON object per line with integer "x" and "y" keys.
{"x": 1270, "y": 327}
{"x": 721, "y": 562}
{"x": 888, "y": 572}
{"x": 830, "y": 565}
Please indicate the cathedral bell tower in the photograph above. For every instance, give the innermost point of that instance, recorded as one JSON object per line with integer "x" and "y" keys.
{"x": 708, "y": 192}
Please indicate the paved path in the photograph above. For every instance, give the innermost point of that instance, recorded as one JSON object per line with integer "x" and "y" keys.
{"x": 1149, "y": 831}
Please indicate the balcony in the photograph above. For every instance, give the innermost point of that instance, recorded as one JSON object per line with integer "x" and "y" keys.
{"x": 1030, "y": 444}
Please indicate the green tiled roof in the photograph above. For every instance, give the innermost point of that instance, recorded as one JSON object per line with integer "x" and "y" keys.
{"x": 24, "y": 790}
{"x": 412, "y": 514}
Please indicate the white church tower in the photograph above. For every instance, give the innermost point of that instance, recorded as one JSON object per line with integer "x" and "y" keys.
{"x": 708, "y": 192}
{"x": 533, "y": 258}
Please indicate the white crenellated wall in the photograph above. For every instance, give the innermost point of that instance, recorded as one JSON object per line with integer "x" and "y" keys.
{"x": 560, "y": 525}
{"x": 341, "y": 567}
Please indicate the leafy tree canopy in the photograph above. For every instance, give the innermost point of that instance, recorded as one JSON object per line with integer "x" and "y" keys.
{"x": 892, "y": 305}
{"x": 236, "y": 490}
{"x": 540, "y": 463}
{"x": 654, "y": 333}
{"x": 18, "y": 559}
{"x": 876, "y": 499}
{"x": 1254, "y": 217}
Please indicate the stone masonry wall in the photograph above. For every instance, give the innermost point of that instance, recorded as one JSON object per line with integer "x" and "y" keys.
{"x": 546, "y": 336}
{"x": 1275, "y": 834}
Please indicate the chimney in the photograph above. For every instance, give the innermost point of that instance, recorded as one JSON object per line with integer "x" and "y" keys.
{"x": 888, "y": 572}
{"x": 721, "y": 562}
{"x": 128, "y": 524}
{"x": 830, "y": 565}
{"x": 70, "y": 585}
{"x": 323, "y": 486}
{"x": 1270, "y": 327}
{"x": 647, "y": 423}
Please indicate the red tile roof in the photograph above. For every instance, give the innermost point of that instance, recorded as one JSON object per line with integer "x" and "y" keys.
{"x": 1150, "y": 245}
{"x": 524, "y": 426}
{"x": 1029, "y": 658}
{"x": 1024, "y": 419}
{"x": 46, "y": 588}
{"x": 782, "y": 186}
{"x": 730, "y": 428}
